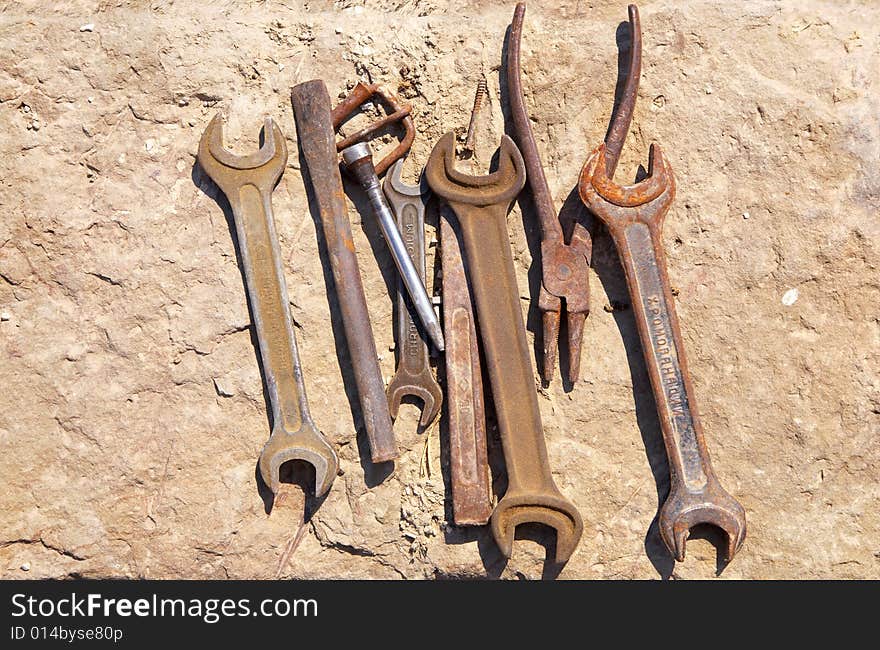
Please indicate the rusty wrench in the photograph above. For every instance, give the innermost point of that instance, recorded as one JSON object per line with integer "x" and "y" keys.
{"x": 247, "y": 181}
{"x": 634, "y": 217}
{"x": 413, "y": 375}
{"x": 481, "y": 204}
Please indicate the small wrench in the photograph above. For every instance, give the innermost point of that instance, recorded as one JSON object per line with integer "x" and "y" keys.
{"x": 481, "y": 204}
{"x": 413, "y": 375}
{"x": 634, "y": 217}
{"x": 247, "y": 182}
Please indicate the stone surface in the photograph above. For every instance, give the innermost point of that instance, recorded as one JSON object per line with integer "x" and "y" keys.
{"x": 133, "y": 411}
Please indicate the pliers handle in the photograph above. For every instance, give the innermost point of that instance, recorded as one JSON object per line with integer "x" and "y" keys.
{"x": 565, "y": 263}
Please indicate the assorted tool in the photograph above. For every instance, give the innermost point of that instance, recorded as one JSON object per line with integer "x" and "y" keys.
{"x": 358, "y": 162}
{"x": 314, "y": 128}
{"x": 466, "y": 414}
{"x": 247, "y": 182}
{"x": 483, "y": 323}
{"x": 413, "y": 375}
{"x": 481, "y": 204}
{"x": 564, "y": 265}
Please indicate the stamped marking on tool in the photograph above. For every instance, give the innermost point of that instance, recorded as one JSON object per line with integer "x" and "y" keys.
{"x": 665, "y": 355}
{"x": 269, "y": 307}
{"x": 410, "y": 215}
{"x": 461, "y": 331}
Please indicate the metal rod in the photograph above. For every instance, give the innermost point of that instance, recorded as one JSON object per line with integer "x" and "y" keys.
{"x": 359, "y": 162}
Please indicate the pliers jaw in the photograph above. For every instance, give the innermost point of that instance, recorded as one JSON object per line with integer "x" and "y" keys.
{"x": 565, "y": 286}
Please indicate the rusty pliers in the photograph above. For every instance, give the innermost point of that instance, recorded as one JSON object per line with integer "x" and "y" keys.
{"x": 565, "y": 264}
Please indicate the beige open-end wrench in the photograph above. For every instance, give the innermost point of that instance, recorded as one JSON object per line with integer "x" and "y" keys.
{"x": 413, "y": 375}
{"x": 247, "y": 182}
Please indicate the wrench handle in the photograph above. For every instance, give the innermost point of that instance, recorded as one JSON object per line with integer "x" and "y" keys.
{"x": 644, "y": 260}
{"x": 507, "y": 349}
{"x": 267, "y": 290}
{"x": 411, "y": 224}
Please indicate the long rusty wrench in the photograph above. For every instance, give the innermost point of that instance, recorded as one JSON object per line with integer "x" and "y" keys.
{"x": 634, "y": 217}
{"x": 564, "y": 266}
{"x": 481, "y": 204}
{"x": 247, "y": 181}
{"x": 413, "y": 375}
{"x": 314, "y": 127}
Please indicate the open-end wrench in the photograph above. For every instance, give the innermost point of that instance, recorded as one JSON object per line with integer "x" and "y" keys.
{"x": 314, "y": 128}
{"x": 413, "y": 375}
{"x": 465, "y": 410}
{"x": 634, "y": 217}
{"x": 481, "y": 204}
{"x": 247, "y": 182}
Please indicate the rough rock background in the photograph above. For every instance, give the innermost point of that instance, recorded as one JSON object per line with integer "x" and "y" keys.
{"x": 132, "y": 411}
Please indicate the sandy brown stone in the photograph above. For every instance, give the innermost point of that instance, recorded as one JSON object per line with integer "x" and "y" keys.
{"x": 132, "y": 411}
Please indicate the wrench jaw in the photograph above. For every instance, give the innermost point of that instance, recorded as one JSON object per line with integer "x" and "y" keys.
{"x": 306, "y": 444}
{"x": 226, "y": 168}
{"x": 685, "y": 509}
{"x": 425, "y": 388}
{"x": 394, "y": 179}
{"x": 554, "y": 511}
{"x": 620, "y": 205}
{"x": 501, "y": 186}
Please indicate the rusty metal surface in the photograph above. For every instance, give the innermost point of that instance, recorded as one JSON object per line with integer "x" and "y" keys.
{"x": 400, "y": 111}
{"x": 622, "y": 117}
{"x": 311, "y": 108}
{"x": 413, "y": 375}
{"x": 565, "y": 283}
{"x": 481, "y": 204}
{"x": 564, "y": 265}
{"x": 247, "y": 182}
{"x": 634, "y": 217}
{"x": 465, "y": 411}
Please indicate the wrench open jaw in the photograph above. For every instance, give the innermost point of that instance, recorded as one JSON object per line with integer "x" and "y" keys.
{"x": 634, "y": 217}
{"x": 413, "y": 376}
{"x": 306, "y": 444}
{"x": 247, "y": 181}
{"x": 481, "y": 204}
{"x": 223, "y": 166}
